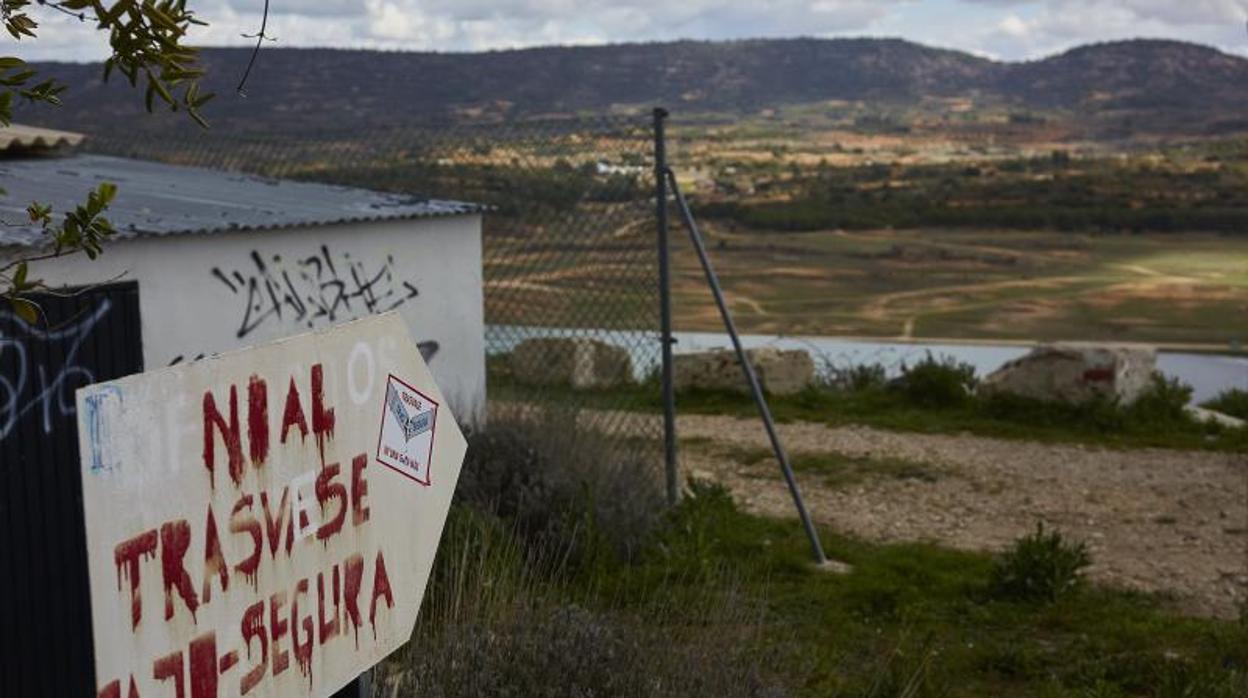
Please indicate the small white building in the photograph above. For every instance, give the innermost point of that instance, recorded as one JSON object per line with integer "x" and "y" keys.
{"x": 225, "y": 260}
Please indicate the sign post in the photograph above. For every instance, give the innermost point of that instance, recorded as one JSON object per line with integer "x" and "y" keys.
{"x": 264, "y": 522}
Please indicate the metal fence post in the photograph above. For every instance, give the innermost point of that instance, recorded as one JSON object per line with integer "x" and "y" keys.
{"x": 751, "y": 377}
{"x": 665, "y": 307}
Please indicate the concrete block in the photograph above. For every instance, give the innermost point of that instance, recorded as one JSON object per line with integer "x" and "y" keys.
{"x": 781, "y": 372}
{"x": 578, "y": 362}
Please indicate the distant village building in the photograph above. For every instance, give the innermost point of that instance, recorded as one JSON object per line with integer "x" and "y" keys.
{"x": 225, "y": 260}
{"x": 606, "y": 168}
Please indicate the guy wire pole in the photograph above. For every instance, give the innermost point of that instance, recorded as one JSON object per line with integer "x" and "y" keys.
{"x": 755, "y": 388}
{"x": 665, "y": 307}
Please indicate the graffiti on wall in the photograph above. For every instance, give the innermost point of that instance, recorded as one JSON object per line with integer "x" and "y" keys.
{"x": 318, "y": 289}
{"x": 39, "y": 384}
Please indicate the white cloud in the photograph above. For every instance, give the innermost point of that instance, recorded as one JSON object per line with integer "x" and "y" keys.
{"x": 1001, "y": 28}
{"x": 1013, "y": 26}
{"x": 1036, "y": 28}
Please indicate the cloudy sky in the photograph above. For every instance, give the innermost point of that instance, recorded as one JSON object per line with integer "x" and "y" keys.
{"x": 1007, "y": 29}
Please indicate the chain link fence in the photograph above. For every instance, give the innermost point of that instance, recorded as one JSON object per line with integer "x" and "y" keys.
{"x": 569, "y": 242}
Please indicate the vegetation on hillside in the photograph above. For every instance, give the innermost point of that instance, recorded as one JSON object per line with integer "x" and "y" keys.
{"x": 1033, "y": 193}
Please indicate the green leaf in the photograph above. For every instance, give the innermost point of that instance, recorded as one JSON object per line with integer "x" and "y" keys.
{"x": 26, "y": 310}
{"x": 107, "y": 191}
{"x": 160, "y": 89}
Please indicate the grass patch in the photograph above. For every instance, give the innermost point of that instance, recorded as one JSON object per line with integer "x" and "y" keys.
{"x": 921, "y": 620}
{"x": 935, "y": 397}
{"x": 839, "y": 471}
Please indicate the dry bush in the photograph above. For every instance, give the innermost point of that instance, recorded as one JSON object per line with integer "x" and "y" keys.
{"x": 566, "y": 489}
{"x": 515, "y": 605}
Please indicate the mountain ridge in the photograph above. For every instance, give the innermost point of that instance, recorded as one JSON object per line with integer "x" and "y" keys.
{"x": 1177, "y": 85}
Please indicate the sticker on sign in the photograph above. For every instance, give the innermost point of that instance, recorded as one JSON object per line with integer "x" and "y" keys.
{"x": 407, "y": 428}
{"x": 254, "y": 526}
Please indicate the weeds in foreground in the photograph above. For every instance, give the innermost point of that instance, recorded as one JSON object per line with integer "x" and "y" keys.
{"x": 909, "y": 671}
{"x": 520, "y": 601}
{"x": 568, "y": 650}
{"x": 1040, "y": 567}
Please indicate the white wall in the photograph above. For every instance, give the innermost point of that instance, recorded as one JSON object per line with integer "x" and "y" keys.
{"x": 202, "y": 294}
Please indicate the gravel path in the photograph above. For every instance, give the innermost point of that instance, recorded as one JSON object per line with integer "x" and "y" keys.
{"x": 1155, "y": 520}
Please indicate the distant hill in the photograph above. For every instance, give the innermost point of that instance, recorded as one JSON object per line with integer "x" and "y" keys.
{"x": 1146, "y": 84}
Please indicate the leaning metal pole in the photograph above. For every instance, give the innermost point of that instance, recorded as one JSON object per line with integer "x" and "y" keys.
{"x": 713, "y": 279}
{"x": 665, "y": 308}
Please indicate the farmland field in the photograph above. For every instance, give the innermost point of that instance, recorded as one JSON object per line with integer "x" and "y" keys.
{"x": 938, "y": 283}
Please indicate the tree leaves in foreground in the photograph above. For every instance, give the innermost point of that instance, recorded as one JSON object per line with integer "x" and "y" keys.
{"x": 85, "y": 228}
{"x": 146, "y": 42}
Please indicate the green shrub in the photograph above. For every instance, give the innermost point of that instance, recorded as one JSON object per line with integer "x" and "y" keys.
{"x": 934, "y": 382}
{"x": 855, "y": 379}
{"x": 1098, "y": 415}
{"x": 1164, "y": 403}
{"x": 1233, "y": 402}
{"x": 1040, "y": 567}
{"x": 690, "y": 536}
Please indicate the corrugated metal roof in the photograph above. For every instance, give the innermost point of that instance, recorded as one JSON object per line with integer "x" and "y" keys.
{"x": 159, "y": 199}
{"x": 19, "y": 136}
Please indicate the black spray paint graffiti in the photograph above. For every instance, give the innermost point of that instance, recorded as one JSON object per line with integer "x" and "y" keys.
{"x": 40, "y": 386}
{"x": 313, "y": 290}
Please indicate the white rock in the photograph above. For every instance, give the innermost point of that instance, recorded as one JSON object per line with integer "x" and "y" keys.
{"x": 1076, "y": 373}
{"x": 1202, "y": 414}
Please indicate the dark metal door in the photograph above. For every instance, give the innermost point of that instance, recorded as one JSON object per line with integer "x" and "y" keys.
{"x": 45, "y": 614}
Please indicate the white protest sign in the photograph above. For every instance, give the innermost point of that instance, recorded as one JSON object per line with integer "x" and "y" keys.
{"x": 264, "y": 522}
